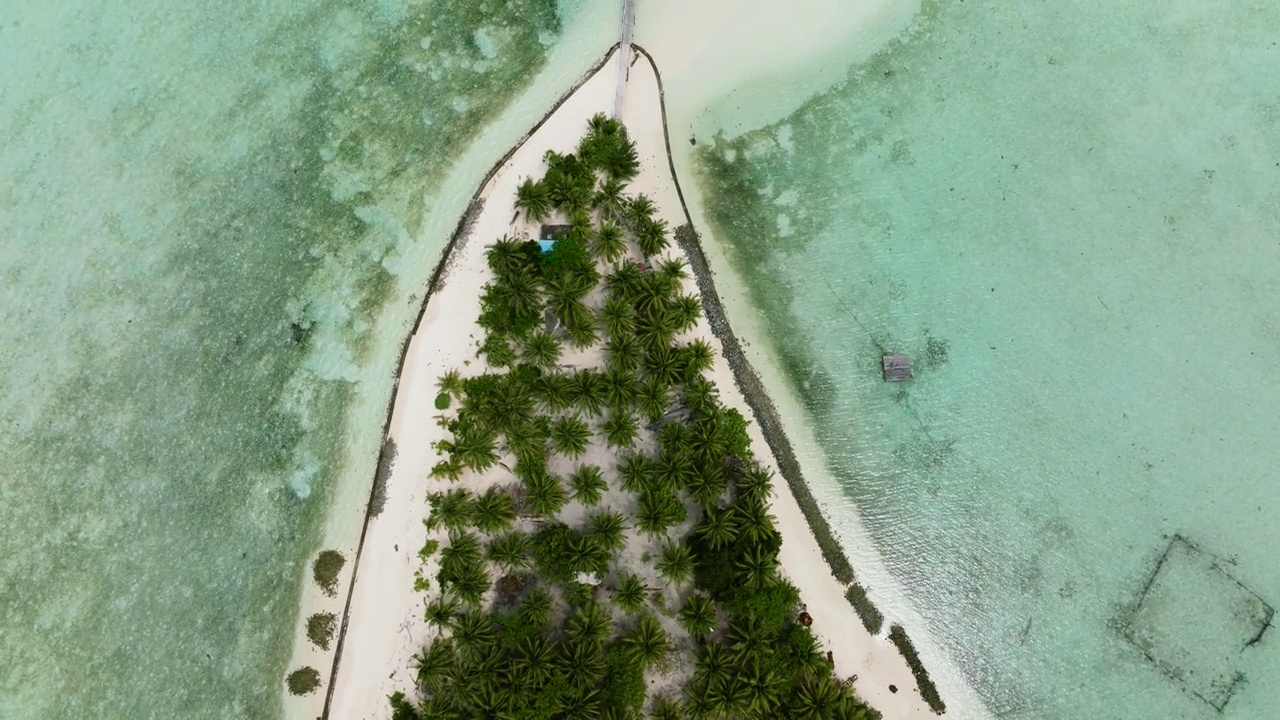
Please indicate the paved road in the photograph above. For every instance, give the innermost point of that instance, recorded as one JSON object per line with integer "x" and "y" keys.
{"x": 624, "y": 55}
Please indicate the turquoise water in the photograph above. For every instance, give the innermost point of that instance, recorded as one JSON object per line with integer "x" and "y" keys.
{"x": 1069, "y": 215}
{"x": 201, "y": 212}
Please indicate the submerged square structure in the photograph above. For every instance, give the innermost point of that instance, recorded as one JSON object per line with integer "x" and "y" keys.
{"x": 1193, "y": 620}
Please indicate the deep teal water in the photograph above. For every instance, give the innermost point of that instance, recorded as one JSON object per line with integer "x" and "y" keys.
{"x": 1069, "y": 215}
{"x": 197, "y": 209}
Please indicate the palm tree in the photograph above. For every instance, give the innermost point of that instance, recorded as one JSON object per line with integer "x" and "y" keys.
{"x": 676, "y": 562}
{"x": 651, "y": 236}
{"x": 451, "y": 383}
{"x": 555, "y": 391}
{"x": 639, "y": 210}
{"x": 662, "y": 364}
{"x": 570, "y": 435}
{"x": 441, "y": 610}
{"x": 588, "y": 484}
{"x": 659, "y": 511}
{"x": 497, "y": 351}
{"x": 698, "y": 616}
{"x": 450, "y": 470}
{"x": 493, "y": 511}
{"x": 764, "y": 690}
{"x": 754, "y": 483}
{"x": 818, "y": 698}
{"x": 617, "y": 316}
{"x": 469, "y": 582}
{"x": 528, "y": 439}
{"x": 510, "y": 551}
{"x": 542, "y": 349}
{"x": 625, "y": 277}
{"x": 728, "y": 697}
{"x": 579, "y": 227}
{"x": 623, "y": 162}
{"x": 582, "y": 662}
{"x": 507, "y": 257}
{"x": 451, "y": 509}
{"x": 707, "y": 484}
{"x": 630, "y": 593}
{"x": 635, "y": 472}
{"x": 434, "y": 665}
{"x": 685, "y": 312}
{"x": 472, "y": 632}
{"x": 698, "y": 357}
{"x": 533, "y": 200}
{"x": 754, "y": 522}
{"x": 700, "y": 394}
{"x": 749, "y": 639}
{"x": 609, "y": 199}
{"x": 665, "y": 708}
{"x": 608, "y": 243}
{"x": 756, "y": 567}
{"x": 621, "y": 429}
{"x": 477, "y": 449}
{"x": 535, "y": 659}
{"x": 587, "y": 390}
{"x": 719, "y": 528}
{"x": 546, "y": 495}
{"x": 589, "y": 622}
{"x": 582, "y": 333}
{"x": 672, "y": 470}
{"x": 623, "y": 352}
{"x": 714, "y": 665}
{"x": 619, "y": 388}
{"x": 648, "y": 642}
{"x": 608, "y": 528}
{"x": 675, "y": 437}
{"x": 697, "y": 704}
{"x": 673, "y": 269}
{"x": 653, "y": 399}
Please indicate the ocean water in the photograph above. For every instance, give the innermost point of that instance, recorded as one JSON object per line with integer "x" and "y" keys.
{"x": 1068, "y": 214}
{"x": 204, "y": 210}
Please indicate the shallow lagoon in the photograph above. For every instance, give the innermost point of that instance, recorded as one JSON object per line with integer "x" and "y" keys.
{"x": 1069, "y": 216}
{"x": 205, "y": 214}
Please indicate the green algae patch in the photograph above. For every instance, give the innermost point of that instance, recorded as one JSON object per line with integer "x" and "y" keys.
{"x": 303, "y": 681}
{"x": 320, "y": 629}
{"x": 870, "y": 615}
{"x": 325, "y": 570}
{"x": 928, "y": 690}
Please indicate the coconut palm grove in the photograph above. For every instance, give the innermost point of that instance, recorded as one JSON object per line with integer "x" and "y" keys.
{"x": 601, "y": 531}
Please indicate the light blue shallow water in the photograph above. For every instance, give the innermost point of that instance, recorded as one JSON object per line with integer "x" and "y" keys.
{"x": 197, "y": 205}
{"x": 1069, "y": 215}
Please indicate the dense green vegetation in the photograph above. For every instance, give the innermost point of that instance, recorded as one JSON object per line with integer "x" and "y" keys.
{"x": 567, "y": 589}
{"x": 325, "y": 570}
{"x": 320, "y": 627}
{"x": 303, "y": 681}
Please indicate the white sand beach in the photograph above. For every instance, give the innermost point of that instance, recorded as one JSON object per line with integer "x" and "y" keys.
{"x": 385, "y": 627}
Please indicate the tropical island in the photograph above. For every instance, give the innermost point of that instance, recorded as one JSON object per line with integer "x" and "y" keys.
{"x": 602, "y": 544}
{"x": 571, "y": 474}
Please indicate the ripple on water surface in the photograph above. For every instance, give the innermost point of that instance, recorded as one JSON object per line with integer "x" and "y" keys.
{"x": 198, "y": 211}
{"x": 1067, "y": 214}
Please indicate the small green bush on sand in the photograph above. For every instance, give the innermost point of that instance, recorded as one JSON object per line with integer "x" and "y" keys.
{"x": 303, "y": 681}
{"x": 320, "y": 629}
{"x": 327, "y": 567}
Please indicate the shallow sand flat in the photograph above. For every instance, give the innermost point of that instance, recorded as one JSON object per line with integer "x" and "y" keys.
{"x": 385, "y": 627}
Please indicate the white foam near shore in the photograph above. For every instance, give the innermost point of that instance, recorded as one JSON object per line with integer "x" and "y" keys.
{"x": 386, "y": 627}
{"x": 742, "y": 71}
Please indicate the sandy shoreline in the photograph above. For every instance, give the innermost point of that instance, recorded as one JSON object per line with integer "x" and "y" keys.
{"x": 384, "y": 625}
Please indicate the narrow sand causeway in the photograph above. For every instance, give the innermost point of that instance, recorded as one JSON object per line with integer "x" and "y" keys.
{"x": 385, "y": 627}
